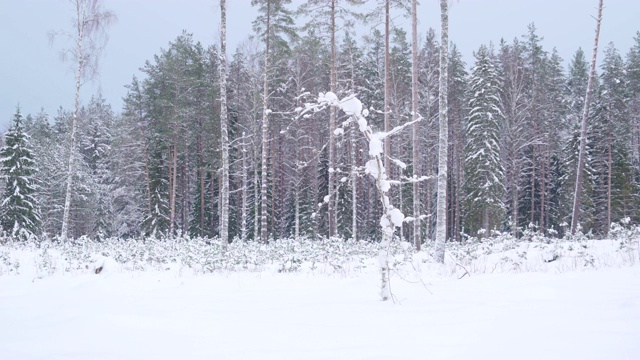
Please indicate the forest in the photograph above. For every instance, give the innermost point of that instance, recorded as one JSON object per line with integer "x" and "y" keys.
{"x": 201, "y": 138}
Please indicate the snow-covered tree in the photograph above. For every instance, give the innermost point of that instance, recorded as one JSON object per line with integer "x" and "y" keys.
{"x": 632, "y": 67}
{"x": 89, "y": 36}
{"x": 484, "y": 174}
{"x": 273, "y": 25}
{"x": 95, "y": 138}
{"x": 457, "y": 119}
{"x": 19, "y": 210}
{"x": 582, "y": 155}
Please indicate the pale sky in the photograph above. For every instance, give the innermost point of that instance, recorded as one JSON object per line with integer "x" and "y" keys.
{"x": 32, "y": 74}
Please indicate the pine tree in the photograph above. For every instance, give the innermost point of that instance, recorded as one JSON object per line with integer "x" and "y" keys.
{"x": 632, "y": 67}
{"x": 577, "y": 85}
{"x": 457, "y": 119}
{"x": 274, "y": 25}
{"x": 613, "y": 142}
{"x": 50, "y": 154}
{"x": 96, "y": 140}
{"x": 516, "y": 136}
{"x": 555, "y": 113}
{"x": 428, "y": 78}
{"x": 129, "y": 164}
{"x": 484, "y": 174}
{"x": 19, "y": 207}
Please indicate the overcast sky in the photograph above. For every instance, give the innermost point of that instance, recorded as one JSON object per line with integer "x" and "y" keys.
{"x": 33, "y": 76}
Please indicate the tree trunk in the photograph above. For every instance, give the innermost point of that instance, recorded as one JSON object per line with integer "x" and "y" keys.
{"x": 443, "y": 146}
{"x": 332, "y": 126}
{"x": 415, "y": 130}
{"x": 514, "y": 203}
{"x": 354, "y": 184}
{"x": 543, "y": 192}
{"x": 224, "y": 133}
{"x": 74, "y": 119}
{"x": 265, "y": 134}
{"x": 609, "y": 168}
{"x": 533, "y": 186}
{"x": 243, "y": 215}
{"x": 575, "y": 219}
{"x": 387, "y": 85}
{"x": 256, "y": 202}
{"x": 174, "y": 180}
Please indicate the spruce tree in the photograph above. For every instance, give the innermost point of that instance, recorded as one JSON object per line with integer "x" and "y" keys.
{"x": 632, "y": 67}
{"x": 483, "y": 169}
{"x": 577, "y": 87}
{"x": 457, "y": 117}
{"x": 19, "y": 207}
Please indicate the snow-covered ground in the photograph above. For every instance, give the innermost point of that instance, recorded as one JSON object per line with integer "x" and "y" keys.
{"x": 588, "y": 314}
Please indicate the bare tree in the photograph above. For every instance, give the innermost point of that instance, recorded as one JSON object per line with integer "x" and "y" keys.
{"x": 416, "y": 127}
{"x": 575, "y": 219}
{"x": 89, "y": 35}
{"x": 387, "y": 81}
{"x": 224, "y": 191}
{"x": 332, "y": 126}
{"x": 265, "y": 122}
{"x": 443, "y": 145}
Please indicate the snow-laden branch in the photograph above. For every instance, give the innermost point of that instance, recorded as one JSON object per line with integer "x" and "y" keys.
{"x": 392, "y": 217}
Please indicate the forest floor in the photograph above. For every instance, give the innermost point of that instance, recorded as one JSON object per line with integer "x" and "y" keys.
{"x": 578, "y": 314}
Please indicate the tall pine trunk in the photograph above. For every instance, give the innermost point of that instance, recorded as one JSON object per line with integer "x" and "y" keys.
{"x": 174, "y": 179}
{"x": 443, "y": 146}
{"x": 575, "y": 218}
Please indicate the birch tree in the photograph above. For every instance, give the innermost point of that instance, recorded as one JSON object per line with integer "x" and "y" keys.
{"x": 443, "y": 145}
{"x": 224, "y": 191}
{"x": 575, "y": 218}
{"x": 89, "y": 36}
{"x": 415, "y": 130}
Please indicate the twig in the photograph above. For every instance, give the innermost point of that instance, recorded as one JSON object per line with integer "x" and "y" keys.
{"x": 466, "y": 272}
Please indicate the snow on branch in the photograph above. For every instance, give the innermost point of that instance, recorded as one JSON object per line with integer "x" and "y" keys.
{"x": 392, "y": 217}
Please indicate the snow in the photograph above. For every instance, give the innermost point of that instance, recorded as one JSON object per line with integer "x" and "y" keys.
{"x": 385, "y": 185}
{"x": 397, "y": 217}
{"x": 371, "y": 167}
{"x": 399, "y": 163}
{"x": 351, "y": 106}
{"x": 362, "y": 124}
{"x": 375, "y": 145}
{"x": 575, "y": 315}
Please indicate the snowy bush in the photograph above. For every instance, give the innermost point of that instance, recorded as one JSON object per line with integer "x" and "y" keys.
{"x": 499, "y": 253}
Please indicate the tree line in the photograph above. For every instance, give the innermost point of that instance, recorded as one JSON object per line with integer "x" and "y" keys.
{"x": 512, "y": 134}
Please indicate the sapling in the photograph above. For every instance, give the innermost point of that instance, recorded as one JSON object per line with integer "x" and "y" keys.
{"x": 392, "y": 217}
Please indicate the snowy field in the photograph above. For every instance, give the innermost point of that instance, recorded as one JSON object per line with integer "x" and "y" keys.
{"x": 152, "y": 315}
{"x": 583, "y": 305}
